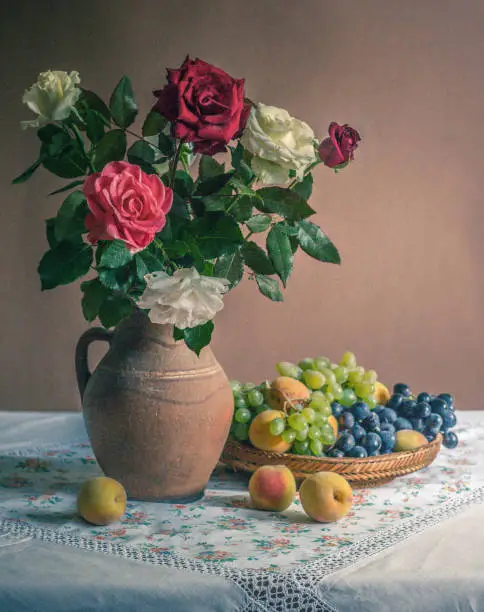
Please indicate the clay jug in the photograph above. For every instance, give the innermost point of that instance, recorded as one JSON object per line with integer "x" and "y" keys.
{"x": 156, "y": 414}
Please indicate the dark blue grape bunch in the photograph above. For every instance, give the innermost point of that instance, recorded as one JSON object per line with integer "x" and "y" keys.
{"x": 425, "y": 413}
{"x": 360, "y": 431}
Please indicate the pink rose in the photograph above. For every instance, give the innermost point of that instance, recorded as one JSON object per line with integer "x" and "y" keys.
{"x": 126, "y": 204}
{"x": 205, "y": 105}
{"x": 339, "y": 148}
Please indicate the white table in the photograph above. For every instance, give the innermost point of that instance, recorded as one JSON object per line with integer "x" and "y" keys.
{"x": 390, "y": 555}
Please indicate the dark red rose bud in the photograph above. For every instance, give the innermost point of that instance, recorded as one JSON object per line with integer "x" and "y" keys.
{"x": 338, "y": 149}
{"x": 204, "y": 104}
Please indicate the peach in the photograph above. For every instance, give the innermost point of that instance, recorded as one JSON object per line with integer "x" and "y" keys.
{"x": 285, "y": 391}
{"x": 260, "y": 435}
{"x": 382, "y": 394}
{"x": 408, "y": 439}
{"x": 326, "y": 496}
{"x": 272, "y": 487}
{"x": 101, "y": 500}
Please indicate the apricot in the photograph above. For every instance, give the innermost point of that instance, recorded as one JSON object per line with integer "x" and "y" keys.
{"x": 408, "y": 439}
{"x": 260, "y": 435}
{"x": 272, "y": 487}
{"x": 285, "y": 391}
{"x": 326, "y": 496}
{"x": 382, "y": 394}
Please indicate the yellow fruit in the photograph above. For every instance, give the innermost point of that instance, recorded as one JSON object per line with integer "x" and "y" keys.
{"x": 260, "y": 435}
{"x": 285, "y": 391}
{"x": 408, "y": 439}
{"x": 272, "y": 487}
{"x": 101, "y": 501}
{"x": 334, "y": 424}
{"x": 326, "y": 496}
{"x": 382, "y": 394}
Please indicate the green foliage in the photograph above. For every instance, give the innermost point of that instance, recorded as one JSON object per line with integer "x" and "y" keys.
{"x": 195, "y": 337}
{"x": 27, "y": 173}
{"x": 67, "y": 187}
{"x": 70, "y": 221}
{"x": 111, "y": 147}
{"x": 304, "y": 188}
{"x": 60, "y": 153}
{"x": 269, "y": 287}
{"x": 256, "y": 259}
{"x": 94, "y": 294}
{"x": 143, "y": 155}
{"x": 258, "y": 223}
{"x": 114, "y": 309}
{"x": 280, "y": 252}
{"x": 230, "y": 265}
{"x": 113, "y": 254}
{"x": 64, "y": 263}
{"x": 153, "y": 124}
{"x": 122, "y": 104}
{"x": 316, "y": 244}
{"x": 209, "y": 167}
{"x": 283, "y": 202}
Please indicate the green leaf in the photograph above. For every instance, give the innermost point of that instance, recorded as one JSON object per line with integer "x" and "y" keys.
{"x": 316, "y": 244}
{"x": 143, "y": 155}
{"x": 117, "y": 279}
{"x": 61, "y": 154}
{"x": 304, "y": 188}
{"x": 166, "y": 144}
{"x": 153, "y": 124}
{"x": 122, "y": 103}
{"x": 198, "y": 337}
{"x": 214, "y": 235}
{"x": 70, "y": 220}
{"x": 241, "y": 208}
{"x": 111, "y": 147}
{"x": 147, "y": 260}
{"x": 283, "y": 202}
{"x": 178, "y": 334}
{"x": 280, "y": 252}
{"x": 94, "y": 295}
{"x": 95, "y": 125}
{"x": 27, "y": 174}
{"x": 93, "y": 102}
{"x": 269, "y": 287}
{"x": 180, "y": 208}
{"x": 256, "y": 258}
{"x": 67, "y": 187}
{"x": 212, "y": 184}
{"x": 115, "y": 255}
{"x": 183, "y": 185}
{"x": 50, "y": 232}
{"x": 114, "y": 309}
{"x": 230, "y": 265}
{"x": 240, "y": 165}
{"x": 258, "y": 223}
{"x": 65, "y": 263}
{"x": 209, "y": 167}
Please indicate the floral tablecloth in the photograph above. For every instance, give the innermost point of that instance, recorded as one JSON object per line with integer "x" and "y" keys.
{"x": 274, "y": 557}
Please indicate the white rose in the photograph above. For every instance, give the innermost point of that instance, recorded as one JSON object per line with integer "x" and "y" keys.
{"x": 185, "y": 299}
{"x": 52, "y": 97}
{"x": 279, "y": 143}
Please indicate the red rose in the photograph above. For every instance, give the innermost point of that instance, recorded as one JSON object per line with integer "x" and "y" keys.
{"x": 126, "y": 204}
{"x": 340, "y": 146}
{"x": 205, "y": 105}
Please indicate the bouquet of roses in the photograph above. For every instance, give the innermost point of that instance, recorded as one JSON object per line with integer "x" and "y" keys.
{"x": 162, "y": 224}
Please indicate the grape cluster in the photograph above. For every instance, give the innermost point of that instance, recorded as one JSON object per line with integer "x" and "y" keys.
{"x": 344, "y": 382}
{"x": 305, "y": 426}
{"x": 428, "y": 414}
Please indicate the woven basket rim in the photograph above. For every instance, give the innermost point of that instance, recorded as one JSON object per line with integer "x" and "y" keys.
{"x": 427, "y": 448}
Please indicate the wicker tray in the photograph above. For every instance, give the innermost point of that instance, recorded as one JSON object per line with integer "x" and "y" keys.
{"x": 367, "y": 472}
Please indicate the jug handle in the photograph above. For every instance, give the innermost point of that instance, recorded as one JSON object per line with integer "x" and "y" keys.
{"x": 82, "y": 367}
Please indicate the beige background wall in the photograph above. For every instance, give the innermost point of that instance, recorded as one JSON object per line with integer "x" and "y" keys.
{"x": 408, "y": 217}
